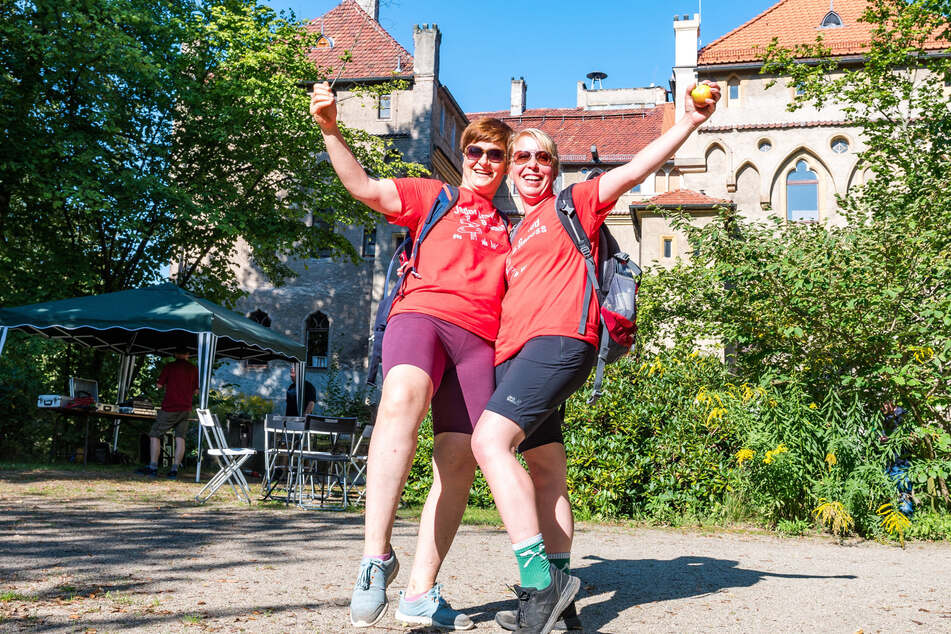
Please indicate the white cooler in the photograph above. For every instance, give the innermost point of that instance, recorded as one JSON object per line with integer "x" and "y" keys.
{"x": 53, "y": 400}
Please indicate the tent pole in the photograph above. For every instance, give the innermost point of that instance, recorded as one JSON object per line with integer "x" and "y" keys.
{"x": 300, "y": 387}
{"x": 126, "y": 365}
{"x": 207, "y": 344}
{"x": 3, "y": 337}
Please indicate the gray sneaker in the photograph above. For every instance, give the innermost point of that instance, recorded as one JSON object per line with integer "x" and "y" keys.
{"x": 368, "y": 602}
{"x": 432, "y": 610}
{"x": 567, "y": 622}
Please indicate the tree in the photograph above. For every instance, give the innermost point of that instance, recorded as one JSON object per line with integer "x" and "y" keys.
{"x": 139, "y": 132}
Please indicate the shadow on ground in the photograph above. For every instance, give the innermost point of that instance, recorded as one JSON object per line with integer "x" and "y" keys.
{"x": 619, "y": 584}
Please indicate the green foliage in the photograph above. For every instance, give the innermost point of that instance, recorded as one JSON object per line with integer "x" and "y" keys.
{"x": 649, "y": 447}
{"x": 930, "y": 525}
{"x": 226, "y": 402}
{"x": 140, "y": 132}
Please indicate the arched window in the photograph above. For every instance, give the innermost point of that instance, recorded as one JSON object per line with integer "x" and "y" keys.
{"x": 802, "y": 194}
{"x": 260, "y": 317}
{"x": 318, "y": 340}
{"x": 324, "y": 42}
{"x": 831, "y": 20}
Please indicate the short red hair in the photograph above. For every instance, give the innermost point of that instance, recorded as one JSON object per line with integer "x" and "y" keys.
{"x": 489, "y": 130}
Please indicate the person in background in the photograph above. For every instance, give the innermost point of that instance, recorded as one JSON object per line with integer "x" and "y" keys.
{"x": 310, "y": 396}
{"x": 180, "y": 380}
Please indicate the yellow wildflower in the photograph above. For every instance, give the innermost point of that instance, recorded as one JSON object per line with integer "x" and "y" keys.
{"x": 771, "y": 455}
{"x": 830, "y": 460}
{"x": 813, "y": 406}
{"x": 744, "y": 454}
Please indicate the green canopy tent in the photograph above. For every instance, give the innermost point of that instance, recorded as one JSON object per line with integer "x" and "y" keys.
{"x": 155, "y": 320}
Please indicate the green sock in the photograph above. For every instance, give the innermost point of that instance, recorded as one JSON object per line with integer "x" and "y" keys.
{"x": 560, "y": 561}
{"x": 532, "y": 563}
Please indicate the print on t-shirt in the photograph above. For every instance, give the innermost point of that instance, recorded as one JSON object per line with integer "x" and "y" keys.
{"x": 460, "y": 272}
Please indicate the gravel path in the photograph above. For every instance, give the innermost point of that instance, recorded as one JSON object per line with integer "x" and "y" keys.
{"x": 81, "y": 553}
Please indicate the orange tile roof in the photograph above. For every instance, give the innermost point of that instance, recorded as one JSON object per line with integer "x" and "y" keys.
{"x": 375, "y": 52}
{"x": 619, "y": 134}
{"x": 683, "y": 197}
{"x": 795, "y": 22}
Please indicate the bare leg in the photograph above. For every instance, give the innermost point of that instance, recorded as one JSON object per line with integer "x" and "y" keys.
{"x": 155, "y": 445}
{"x": 547, "y": 466}
{"x": 179, "y": 451}
{"x": 453, "y": 472}
{"x": 407, "y": 391}
{"x": 493, "y": 443}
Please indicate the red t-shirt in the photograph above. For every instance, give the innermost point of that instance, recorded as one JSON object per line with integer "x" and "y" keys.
{"x": 180, "y": 380}
{"x": 461, "y": 262}
{"x": 546, "y": 275}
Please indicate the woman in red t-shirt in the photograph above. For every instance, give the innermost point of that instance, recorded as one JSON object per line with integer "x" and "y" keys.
{"x": 438, "y": 350}
{"x": 541, "y": 359}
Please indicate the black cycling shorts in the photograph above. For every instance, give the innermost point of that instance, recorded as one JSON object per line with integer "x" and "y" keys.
{"x": 532, "y": 386}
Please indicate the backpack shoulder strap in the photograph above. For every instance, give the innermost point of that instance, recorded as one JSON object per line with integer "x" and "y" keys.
{"x": 446, "y": 200}
{"x": 402, "y": 264}
{"x": 565, "y": 208}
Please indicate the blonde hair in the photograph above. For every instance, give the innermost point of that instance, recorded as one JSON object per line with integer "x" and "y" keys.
{"x": 544, "y": 141}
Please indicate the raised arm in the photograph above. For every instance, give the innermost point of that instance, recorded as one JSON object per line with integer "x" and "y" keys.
{"x": 379, "y": 195}
{"x": 620, "y": 179}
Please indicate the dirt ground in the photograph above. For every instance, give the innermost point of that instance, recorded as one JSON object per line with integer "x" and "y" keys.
{"x": 99, "y": 552}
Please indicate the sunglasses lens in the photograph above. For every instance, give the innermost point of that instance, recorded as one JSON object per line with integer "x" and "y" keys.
{"x": 473, "y": 152}
{"x": 541, "y": 157}
{"x": 495, "y": 155}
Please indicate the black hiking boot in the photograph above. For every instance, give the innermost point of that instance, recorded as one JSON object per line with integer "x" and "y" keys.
{"x": 538, "y": 610}
{"x": 147, "y": 471}
{"x": 567, "y": 622}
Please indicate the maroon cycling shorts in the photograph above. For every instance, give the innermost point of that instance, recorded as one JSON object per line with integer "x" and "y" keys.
{"x": 460, "y": 364}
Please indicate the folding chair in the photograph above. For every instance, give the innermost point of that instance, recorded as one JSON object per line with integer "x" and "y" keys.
{"x": 358, "y": 462}
{"x": 282, "y": 435}
{"x": 324, "y": 457}
{"x": 229, "y": 460}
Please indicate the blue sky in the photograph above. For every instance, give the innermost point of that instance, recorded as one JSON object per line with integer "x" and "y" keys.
{"x": 552, "y": 44}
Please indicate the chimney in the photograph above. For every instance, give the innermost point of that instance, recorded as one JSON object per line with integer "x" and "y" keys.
{"x": 686, "y": 43}
{"x": 372, "y": 7}
{"x": 519, "y": 89}
{"x": 426, "y": 40}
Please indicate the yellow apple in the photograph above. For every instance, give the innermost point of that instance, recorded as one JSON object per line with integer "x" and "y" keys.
{"x": 700, "y": 94}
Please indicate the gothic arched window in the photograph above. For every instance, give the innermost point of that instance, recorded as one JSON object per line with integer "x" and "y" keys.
{"x": 318, "y": 340}
{"x": 802, "y": 194}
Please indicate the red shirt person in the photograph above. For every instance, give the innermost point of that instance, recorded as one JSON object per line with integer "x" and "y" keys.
{"x": 542, "y": 359}
{"x": 437, "y": 350}
{"x": 180, "y": 381}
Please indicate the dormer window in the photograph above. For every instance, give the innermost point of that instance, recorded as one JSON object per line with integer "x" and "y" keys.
{"x": 324, "y": 42}
{"x": 831, "y": 21}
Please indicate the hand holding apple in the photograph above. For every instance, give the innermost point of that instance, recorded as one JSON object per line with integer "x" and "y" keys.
{"x": 700, "y": 94}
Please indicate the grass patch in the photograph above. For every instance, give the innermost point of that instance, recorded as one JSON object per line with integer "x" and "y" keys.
{"x": 472, "y": 517}
{"x": 13, "y": 595}
{"x": 192, "y": 619}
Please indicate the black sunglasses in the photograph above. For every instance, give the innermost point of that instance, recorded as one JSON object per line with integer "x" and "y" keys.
{"x": 522, "y": 157}
{"x": 495, "y": 155}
